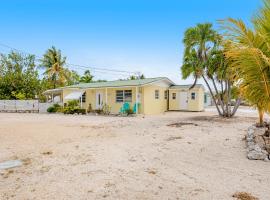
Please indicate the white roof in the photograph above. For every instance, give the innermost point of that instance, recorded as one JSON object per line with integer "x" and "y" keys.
{"x": 76, "y": 95}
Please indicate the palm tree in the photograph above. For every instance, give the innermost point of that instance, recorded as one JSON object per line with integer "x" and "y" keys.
{"x": 72, "y": 77}
{"x": 54, "y": 63}
{"x": 87, "y": 77}
{"x": 136, "y": 77}
{"x": 248, "y": 49}
{"x": 203, "y": 58}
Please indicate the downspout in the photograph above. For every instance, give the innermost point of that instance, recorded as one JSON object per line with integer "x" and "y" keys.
{"x": 136, "y": 101}
{"x": 168, "y": 100}
{"x": 81, "y": 101}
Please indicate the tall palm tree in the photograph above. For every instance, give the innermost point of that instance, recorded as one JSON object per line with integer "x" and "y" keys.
{"x": 204, "y": 58}
{"x": 248, "y": 49}
{"x": 87, "y": 77}
{"x": 54, "y": 63}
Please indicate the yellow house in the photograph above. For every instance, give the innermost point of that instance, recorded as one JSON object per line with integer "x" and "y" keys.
{"x": 186, "y": 99}
{"x": 145, "y": 96}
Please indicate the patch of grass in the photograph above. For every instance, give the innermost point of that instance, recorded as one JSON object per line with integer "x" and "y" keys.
{"x": 7, "y": 173}
{"x": 47, "y": 153}
{"x": 244, "y": 196}
{"x": 180, "y": 124}
{"x": 174, "y": 138}
{"x": 152, "y": 171}
{"x": 26, "y": 161}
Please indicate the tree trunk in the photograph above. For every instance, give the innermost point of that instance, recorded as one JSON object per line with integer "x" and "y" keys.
{"x": 261, "y": 113}
{"x": 218, "y": 95}
{"x": 212, "y": 95}
{"x": 229, "y": 100}
{"x": 222, "y": 89}
{"x": 237, "y": 104}
{"x": 226, "y": 91}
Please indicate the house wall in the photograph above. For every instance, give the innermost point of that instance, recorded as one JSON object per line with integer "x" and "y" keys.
{"x": 148, "y": 103}
{"x": 111, "y": 98}
{"x": 207, "y": 99}
{"x": 152, "y": 106}
{"x": 193, "y": 105}
{"x": 146, "y": 98}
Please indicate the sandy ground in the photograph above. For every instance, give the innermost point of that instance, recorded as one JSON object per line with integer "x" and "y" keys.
{"x": 94, "y": 157}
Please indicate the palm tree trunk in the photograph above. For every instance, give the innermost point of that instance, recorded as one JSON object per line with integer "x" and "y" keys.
{"x": 212, "y": 95}
{"x": 261, "y": 113}
{"x": 237, "y": 104}
{"x": 227, "y": 95}
{"x": 222, "y": 89}
{"x": 218, "y": 95}
{"x": 229, "y": 100}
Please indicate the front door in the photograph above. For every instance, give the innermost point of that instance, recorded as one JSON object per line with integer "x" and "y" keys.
{"x": 183, "y": 98}
{"x": 99, "y": 100}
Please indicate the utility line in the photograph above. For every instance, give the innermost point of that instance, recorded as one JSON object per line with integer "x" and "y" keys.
{"x": 96, "y": 69}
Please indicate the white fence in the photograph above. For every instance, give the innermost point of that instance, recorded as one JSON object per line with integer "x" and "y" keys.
{"x": 23, "y": 106}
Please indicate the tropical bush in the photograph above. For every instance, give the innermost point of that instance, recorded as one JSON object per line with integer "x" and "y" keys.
{"x": 106, "y": 109}
{"x": 248, "y": 51}
{"x": 54, "y": 108}
{"x": 72, "y": 111}
{"x": 72, "y": 107}
{"x": 51, "y": 109}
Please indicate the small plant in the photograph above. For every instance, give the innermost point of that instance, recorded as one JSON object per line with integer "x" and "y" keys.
{"x": 73, "y": 104}
{"x": 51, "y": 109}
{"x": 129, "y": 111}
{"x": 98, "y": 111}
{"x": 73, "y": 108}
{"x": 106, "y": 109}
{"x": 80, "y": 111}
{"x": 54, "y": 108}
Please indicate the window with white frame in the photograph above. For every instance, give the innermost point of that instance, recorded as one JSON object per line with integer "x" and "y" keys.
{"x": 166, "y": 94}
{"x": 123, "y": 96}
{"x": 193, "y": 95}
{"x": 156, "y": 94}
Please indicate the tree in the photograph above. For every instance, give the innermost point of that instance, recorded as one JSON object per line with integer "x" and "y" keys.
{"x": 54, "y": 63}
{"x": 136, "y": 77}
{"x": 204, "y": 58}
{"x": 87, "y": 77}
{"x": 18, "y": 77}
{"x": 72, "y": 77}
{"x": 248, "y": 49}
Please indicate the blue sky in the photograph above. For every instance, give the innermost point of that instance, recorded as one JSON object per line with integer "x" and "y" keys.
{"x": 141, "y": 35}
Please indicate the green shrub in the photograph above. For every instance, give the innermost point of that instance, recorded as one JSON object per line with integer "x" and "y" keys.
{"x": 56, "y": 105}
{"x": 80, "y": 111}
{"x": 98, "y": 111}
{"x": 129, "y": 111}
{"x": 72, "y": 111}
{"x": 51, "y": 109}
{"x": 54, "y": 108}
{"x": 106, "y": 109}
{"x": 73, "y": 104}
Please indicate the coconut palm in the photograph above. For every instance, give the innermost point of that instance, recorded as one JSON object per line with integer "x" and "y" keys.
{"x": 54, "y": 63}
{"x": 87, "y": 77}
{"x": 248, "y": 49}
{"x": 203, "y": 58}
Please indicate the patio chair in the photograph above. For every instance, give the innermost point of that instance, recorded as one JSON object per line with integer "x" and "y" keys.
{"x": 135, "y": 107}
{"x": 125, "y": 108}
